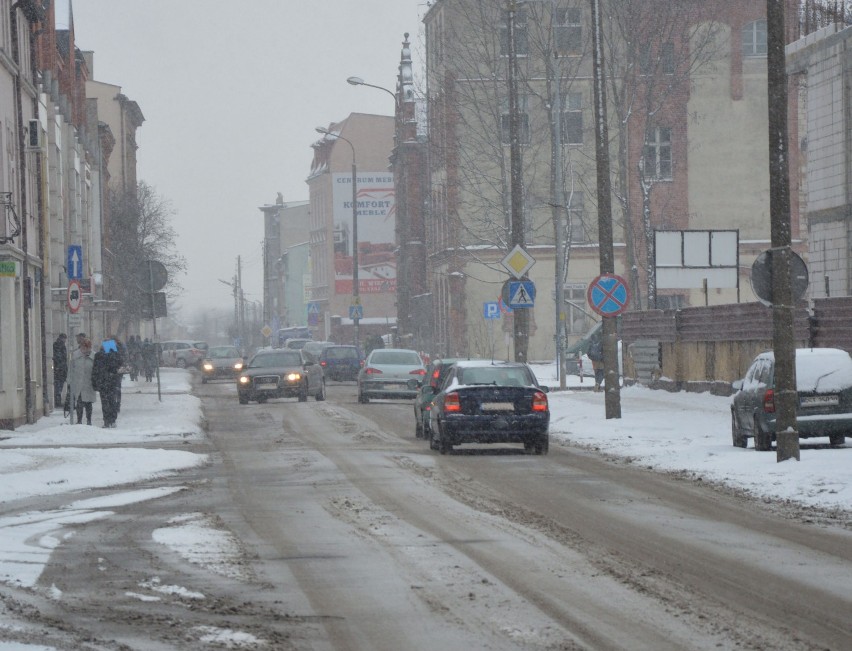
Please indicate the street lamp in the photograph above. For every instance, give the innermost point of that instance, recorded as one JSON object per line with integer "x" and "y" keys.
{"x": 357, "y": 81}
{"x": 356, "y": 297}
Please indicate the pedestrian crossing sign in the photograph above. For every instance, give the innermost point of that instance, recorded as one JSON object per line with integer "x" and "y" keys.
{"x": 521, "y": 294}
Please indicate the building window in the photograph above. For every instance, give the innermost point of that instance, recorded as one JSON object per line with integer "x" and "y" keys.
{"x": 572, "y": 119}
{"x": 667, "y": 62}
{"x": 568, "y": 31}
{"x": 665, "y": 65}
{"x": 657, "y": 154}
{"x": 577, "y": 215}
{"x": 577, "y": 321}
{"x": 521, "y": 40}
{"x": 754, "y": 39}
{"x": 523, "y": 122}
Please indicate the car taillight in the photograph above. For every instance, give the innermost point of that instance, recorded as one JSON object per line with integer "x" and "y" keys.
{"x": 452, "y": 403}
{"x": 323, "y": 363}
{"x": 539, "y": 402}
{"x": 419, "y": 371}
{"x": 372, "y": 371}
{"x": 769, "y": 401}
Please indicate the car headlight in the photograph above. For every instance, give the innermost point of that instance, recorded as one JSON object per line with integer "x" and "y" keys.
{"x": 244, "y": 379}
{"x": 294, "y": 377}
{"x": 238, "y": 366}
{"x": 208, "y": 366}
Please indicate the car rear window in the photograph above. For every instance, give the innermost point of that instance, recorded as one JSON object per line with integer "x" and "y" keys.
{"x": 494, "y": 375}
{"x": 823, "y": 370}
{"x": 396, "y": 357}
{"x": 341, "y": 353}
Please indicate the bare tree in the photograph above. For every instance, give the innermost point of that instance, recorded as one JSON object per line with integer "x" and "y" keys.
{"x": 816, "y": 14}
{"x": 139, "y": 229}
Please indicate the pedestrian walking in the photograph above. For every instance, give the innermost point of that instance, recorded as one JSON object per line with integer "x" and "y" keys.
{"x": 106, "y": 379}
{"x": 596, "y": 355}
{"x": 80, "y": 382}
{"x": 149, "y": 359}
{"x": 60, "y": 368}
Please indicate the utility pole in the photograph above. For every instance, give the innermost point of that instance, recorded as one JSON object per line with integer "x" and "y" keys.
{"x": 783, "y": 340}
{"x": 612, "y": 395}
{"x": 521, "y": 316}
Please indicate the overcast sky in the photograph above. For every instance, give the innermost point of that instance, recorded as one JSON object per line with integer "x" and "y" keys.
{"x": 231, "y": 93}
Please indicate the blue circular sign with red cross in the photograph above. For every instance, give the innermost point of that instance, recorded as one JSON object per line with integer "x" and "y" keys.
{"x": 608, "y": 295}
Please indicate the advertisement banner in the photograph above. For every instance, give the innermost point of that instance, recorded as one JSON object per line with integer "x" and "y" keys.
{"x": 376, "y": 208}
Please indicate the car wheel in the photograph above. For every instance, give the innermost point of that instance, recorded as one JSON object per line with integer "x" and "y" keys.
{"x": 321, "y": 393}
{"x": 444, "y": 447}
{"x": 762, "y": 440}
{"x": 243, "y": 399}
{"x": 204, "y": 380}
{"x": 542, "y": 445}
{"x": 303, "y": 393}
{"x": 837, "y": 439}
{"x": 262, "y": 399}
{"x": 362, "y": 398}
{"x": 740, "y": 440}
{"x": 181, "y": 363}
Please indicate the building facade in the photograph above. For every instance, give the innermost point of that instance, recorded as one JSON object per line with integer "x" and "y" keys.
{"x": 359, "y": 146}
{"x": 688, "y": 126}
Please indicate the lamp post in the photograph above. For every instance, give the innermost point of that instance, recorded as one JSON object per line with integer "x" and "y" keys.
{"x": 356, "y": 296}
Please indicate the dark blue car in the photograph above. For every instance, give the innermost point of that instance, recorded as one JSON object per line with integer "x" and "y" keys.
{"x": 490, "y": 402}
{"x": 341, "y": 362}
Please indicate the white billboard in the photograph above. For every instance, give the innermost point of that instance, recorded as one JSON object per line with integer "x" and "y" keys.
{"x": 688, "y": 259}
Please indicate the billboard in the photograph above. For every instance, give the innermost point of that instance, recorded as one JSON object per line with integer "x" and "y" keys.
{"x": 376, "y": 208}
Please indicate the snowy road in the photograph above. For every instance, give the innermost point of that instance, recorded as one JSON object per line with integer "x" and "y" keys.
{"x": 327, "y": 525}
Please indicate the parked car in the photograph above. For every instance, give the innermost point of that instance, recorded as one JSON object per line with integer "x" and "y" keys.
{"x": 490, "y": 402}
{"x": 221, "y": 362}
{"x": 280, "y": 373}
{"x": 341, "y": 363}
{"x": 314, "y": 348}
{"x": 436, "y": 371}
{"x": 390, "y": 373}
{"x": 182, "y": 353}
{"x": 824, "y": 398}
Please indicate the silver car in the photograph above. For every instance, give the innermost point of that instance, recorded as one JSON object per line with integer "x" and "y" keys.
{"x": 390, "y": 373}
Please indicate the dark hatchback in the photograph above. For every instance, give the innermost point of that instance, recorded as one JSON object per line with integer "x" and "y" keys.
{"x": 341, "y": 362}
{"x": 221, "y": 362}
{"x": 823, "y": 403}
{"x": 490, "y": 402}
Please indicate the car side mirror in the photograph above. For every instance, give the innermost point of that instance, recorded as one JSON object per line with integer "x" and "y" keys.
{"x": 737, "y": 385}
{"x": 544, "y": 389}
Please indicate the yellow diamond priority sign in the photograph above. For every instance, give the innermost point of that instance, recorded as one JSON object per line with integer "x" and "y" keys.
{"x": 518, "y": 262}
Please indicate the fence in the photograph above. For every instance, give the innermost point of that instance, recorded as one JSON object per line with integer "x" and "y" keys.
{"x": 707, "y": 348}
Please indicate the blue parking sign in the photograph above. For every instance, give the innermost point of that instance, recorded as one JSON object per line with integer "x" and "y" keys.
{"x": 491, "y": 310}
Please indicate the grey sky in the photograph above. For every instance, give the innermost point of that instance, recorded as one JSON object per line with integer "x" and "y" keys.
{"x": 231, "y": 93}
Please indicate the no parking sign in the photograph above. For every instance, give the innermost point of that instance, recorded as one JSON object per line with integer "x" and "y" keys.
{"x": 608, "y": 295}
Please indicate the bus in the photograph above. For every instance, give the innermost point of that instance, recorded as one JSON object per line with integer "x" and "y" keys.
{"x": 296, "y": 332}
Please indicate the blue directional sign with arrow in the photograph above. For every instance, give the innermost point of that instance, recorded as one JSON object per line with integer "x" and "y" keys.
{"x": 74, "y": 266}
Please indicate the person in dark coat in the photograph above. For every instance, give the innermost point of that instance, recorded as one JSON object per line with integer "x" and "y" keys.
{"x": 60, "y": 368}
{"x": 106, "y": 379}
{"x": 149, "y": 359}
{"x": 597, "y": 356}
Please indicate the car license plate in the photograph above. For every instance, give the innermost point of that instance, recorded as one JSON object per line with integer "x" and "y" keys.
{"x": 820, "y": 401}
{"x": 498, "y": 406}
{"x": 267, "y": 387}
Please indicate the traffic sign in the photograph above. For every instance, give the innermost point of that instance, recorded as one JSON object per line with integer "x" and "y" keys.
{"x": 608, "y": 295}
{"x": 155, "y": 276}
{"x": 521, "y": 294}
{"x": 761, "y": 277}
{"x": 313, "y": 308}
{"x": 356, "y": 312}
{"x": 266, "y": 331}
{"x": 75, "y": 296}
{"x": 518, "y": 262}
{"x": 491, "y": 310}
{"x": 74, "y": 263}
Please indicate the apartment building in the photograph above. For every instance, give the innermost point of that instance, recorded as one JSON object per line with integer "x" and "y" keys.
{"x": 688, "y": 126}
